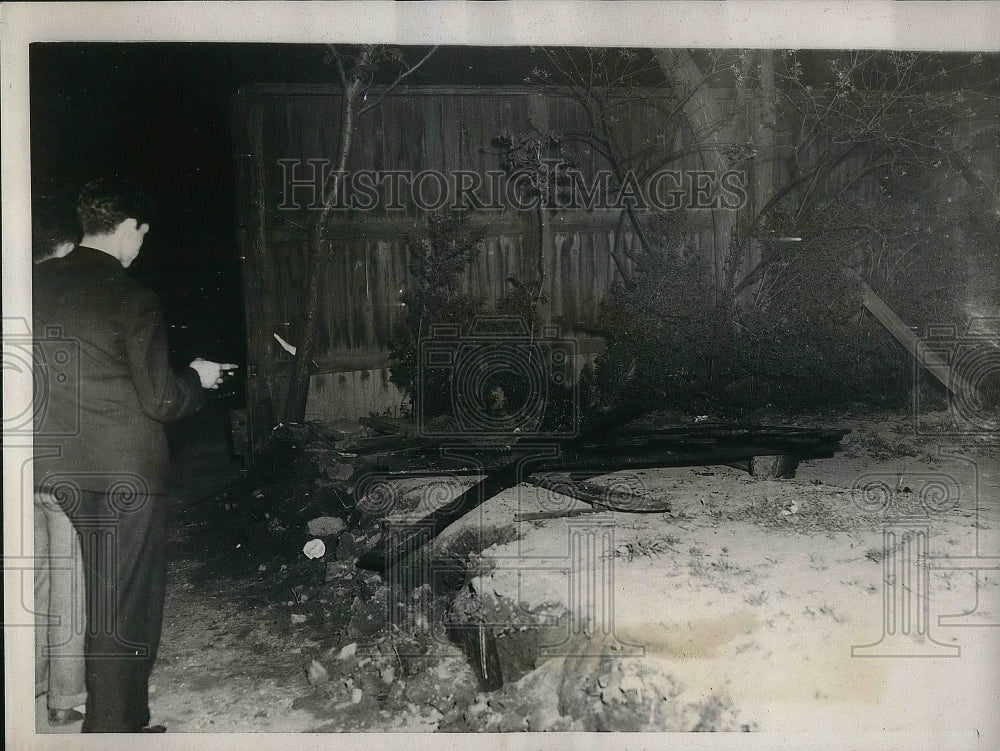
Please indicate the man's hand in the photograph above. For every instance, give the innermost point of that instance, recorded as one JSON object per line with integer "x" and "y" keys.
{"x": 211, "y": 373}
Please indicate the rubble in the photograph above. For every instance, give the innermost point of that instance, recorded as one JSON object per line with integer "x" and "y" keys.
{"x": 314, "y": 549}
{"x": 325, "y": 526}
{"x": 452, "y": 655}
{"x": 316, "y": 674}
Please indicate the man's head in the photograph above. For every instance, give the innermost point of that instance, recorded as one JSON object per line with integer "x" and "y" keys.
{"x": 114, "y": 218}
{"x": 54, "y": 232}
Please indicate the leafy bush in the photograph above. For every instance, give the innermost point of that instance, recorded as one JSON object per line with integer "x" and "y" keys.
{"x": 803, "y": 338}
{"x": 668, "y": 333}
{"x": 438, "y": 264}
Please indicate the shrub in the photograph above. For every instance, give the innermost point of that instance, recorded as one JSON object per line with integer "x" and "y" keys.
{"x": 438, "y": 264}
{"x": 803, "y": 339}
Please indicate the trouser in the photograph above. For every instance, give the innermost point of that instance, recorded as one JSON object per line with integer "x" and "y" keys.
{"x": 59, "y": 607}
{"x": 124, "y": 554}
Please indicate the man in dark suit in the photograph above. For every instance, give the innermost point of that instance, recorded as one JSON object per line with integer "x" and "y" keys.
{"x": 100, "y": 446}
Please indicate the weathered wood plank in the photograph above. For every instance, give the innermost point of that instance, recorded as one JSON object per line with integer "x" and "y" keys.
{"x": 935, "y": 363}
{"x": 251, "y": 180}
{"x": 599, "y": 495}
{"x": 390, "y": 425}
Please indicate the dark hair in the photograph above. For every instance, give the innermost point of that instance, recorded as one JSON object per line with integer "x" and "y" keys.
{"x": 52, "y": 224}
{"x": 104, "y": 203}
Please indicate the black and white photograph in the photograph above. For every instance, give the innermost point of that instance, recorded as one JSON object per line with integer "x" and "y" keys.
{"x": 448, "y": 373}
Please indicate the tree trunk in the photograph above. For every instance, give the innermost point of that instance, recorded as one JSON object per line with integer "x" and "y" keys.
{"x": 703, "y": 116}
{"x": 765, "y": 124}
{"x": 318, "y": 257}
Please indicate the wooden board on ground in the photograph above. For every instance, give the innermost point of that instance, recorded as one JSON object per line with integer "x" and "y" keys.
{"x": 598, "y": 495}
{"x": 604, "y": 447}
{"x": 391, "y": 426}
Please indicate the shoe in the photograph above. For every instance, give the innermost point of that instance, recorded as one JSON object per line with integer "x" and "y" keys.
{"x": 64, "y": 716}
{"x": 154, "y": 729}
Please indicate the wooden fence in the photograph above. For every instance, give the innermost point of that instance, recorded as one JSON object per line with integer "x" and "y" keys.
{"x": 283, "y": 135}
{"x": 279, "y": 129}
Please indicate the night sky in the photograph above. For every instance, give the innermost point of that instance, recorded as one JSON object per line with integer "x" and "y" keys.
{"x": 158, "y": 114}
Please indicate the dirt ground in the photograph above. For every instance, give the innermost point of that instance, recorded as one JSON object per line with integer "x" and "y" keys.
{"x": 807, "y": 605}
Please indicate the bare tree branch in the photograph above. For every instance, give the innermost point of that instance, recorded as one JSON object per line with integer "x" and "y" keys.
{"x": 399, "y": 79}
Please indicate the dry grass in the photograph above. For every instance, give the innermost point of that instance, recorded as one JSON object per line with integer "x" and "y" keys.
{"x": 813, "y": 509}
{"x": 647, "y": 547}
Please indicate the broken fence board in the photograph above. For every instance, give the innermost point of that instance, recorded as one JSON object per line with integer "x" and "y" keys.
{"x": 378, "y": 443}
{"x": 934, "y": 362}
{"x": 391, "y": 426}
{"x": 600, "y": 495}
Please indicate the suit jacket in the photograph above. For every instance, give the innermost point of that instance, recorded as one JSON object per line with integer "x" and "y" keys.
{"x": 103, "y": 383}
